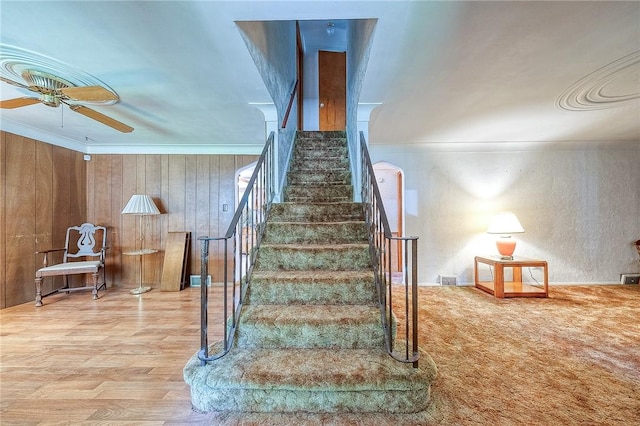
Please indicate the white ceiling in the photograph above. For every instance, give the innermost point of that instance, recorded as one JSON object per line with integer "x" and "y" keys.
{"x": 445, "y": 72}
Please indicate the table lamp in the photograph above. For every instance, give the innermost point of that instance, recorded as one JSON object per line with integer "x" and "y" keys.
{"x": 141, "y": 205}
{"x": 505, "y": 224}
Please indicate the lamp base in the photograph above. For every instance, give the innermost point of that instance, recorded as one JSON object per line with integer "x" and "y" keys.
{"x": 140, "y": 290}
{"x": 506, "y": 246}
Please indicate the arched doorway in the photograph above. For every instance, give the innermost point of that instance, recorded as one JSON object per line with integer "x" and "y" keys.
{"x": 390, "y": 180}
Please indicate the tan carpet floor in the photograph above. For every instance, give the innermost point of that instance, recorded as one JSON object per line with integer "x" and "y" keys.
{"x": 571, "y": 359}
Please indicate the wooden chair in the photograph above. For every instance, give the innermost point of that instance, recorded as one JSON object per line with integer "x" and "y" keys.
{"x": 82, "y": 243}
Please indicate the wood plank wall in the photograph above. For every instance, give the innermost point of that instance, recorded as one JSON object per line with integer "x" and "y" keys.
{"x": 189, "y": 190}
{"x": 46, "y": 189}
{"x": 43, "y": 193}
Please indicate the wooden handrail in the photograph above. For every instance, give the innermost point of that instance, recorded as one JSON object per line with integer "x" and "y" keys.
{"x": 291, "y": 98}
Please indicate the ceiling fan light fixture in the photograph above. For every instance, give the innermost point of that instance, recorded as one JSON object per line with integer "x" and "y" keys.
{"x": 50, "y": 99}
{"x": 44, "y": 82}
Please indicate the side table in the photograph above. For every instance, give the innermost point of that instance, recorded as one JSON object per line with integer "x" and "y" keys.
{"x": 515, "y": 288}
{"x": 141, "y": 289}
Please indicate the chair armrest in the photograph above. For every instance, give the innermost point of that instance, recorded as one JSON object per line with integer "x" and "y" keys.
{"x": 49, "y": 251}
{"x": 46, "y": 252}
{"x": 103, "y": 254}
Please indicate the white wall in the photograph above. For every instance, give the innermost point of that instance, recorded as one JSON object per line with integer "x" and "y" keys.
{"x": 579, "y": 206}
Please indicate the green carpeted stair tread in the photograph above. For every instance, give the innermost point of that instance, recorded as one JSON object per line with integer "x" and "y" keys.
{"x": 314, "y": 233}
{"x": 318, "y": 193}
{"x": 330, "y": 257}
{"x": 312, "y": 287}
{"x": 319, "y": 177}
{"x": 315, "y": 369}
{"x": 316, "y": 212}
{"x": 312, "y": 152}
{"x": 298, "y": 164}
{"x": 314, "y": 380}
{"x": 312, "y": 277}
{"x": 310, "y": 326}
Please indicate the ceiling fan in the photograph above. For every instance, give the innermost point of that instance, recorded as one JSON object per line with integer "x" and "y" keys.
{"x": 54, "y": 90}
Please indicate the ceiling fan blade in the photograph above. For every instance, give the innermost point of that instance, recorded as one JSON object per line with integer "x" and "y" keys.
{"x": 88, "y": 112}
{"x": 13, "y": 83}
{"x": 18, "y": 102}
{"x": 89, "y": 93}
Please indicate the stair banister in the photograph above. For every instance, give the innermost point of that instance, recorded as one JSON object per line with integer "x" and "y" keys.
{"x": 244, "y": 233}
{"x": 380, "y": 241}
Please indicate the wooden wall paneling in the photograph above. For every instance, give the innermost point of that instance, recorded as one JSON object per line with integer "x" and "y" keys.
{"x": 92, "y": 190}
{"x": 44, "y": 213}
{"x": 191, "y": 200}
{"x": 20, "y": 219}
{"x": 70, "y": 197}
{"x": 78, "y": 186}
{"x": 129, "y": 223}
{"x": 227, "y": 184}
{"x": 164, "y": 195}
{"x": 202, "y": 208}
{"x": 114, "y": 267}
{"x": 3, "y": 224}
{"x": 215, "y": 230}
{"x": 101, "y": 191}
{"x": 141, "y": 188}
{"x": 177, "y": 184}
{"x": 99, "y": 194}
{"x": 154, "y": 236}
{"x": 176, "y": 198}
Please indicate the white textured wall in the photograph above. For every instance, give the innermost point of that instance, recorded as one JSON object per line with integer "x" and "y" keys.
{"x": 272, "y": 45}
{"x": 579, "y": 206}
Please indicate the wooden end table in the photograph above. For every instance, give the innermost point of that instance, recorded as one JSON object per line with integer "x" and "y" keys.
{"x": 515, "y": 288}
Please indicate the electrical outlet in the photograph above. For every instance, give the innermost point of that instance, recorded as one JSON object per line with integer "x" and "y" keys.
{"x": 448, "y": 280}
{"x": 629, "y": 278}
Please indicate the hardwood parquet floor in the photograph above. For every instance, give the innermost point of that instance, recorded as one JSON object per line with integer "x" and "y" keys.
{"x": 115, "y": 360}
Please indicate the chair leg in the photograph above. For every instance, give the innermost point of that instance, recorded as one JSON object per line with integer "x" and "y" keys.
{"x": 38, "y": 291}
{"x": 95, "y": 285}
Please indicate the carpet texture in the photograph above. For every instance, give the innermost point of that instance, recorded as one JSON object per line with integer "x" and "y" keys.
{"x": 571, "y": 359}
{"x": 310, "y": 341}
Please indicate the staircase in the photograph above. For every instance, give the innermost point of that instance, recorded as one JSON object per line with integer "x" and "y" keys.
{"x": 309, "y": 347}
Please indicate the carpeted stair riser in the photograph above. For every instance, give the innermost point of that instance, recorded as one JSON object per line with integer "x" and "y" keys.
{"x": 298, "y": 164}
{"x": 316, "y": 212}
{"x": 314, "y": 380}
{"x": 312, "y": 288}
{"x": 310, "y": 326}
{"x": 306, "y": 194}
{"x": 313, "y": 153}
{"x": 332, "y": 257}
{"x": 315, "y": 233}
{"x": 319, "y": 177}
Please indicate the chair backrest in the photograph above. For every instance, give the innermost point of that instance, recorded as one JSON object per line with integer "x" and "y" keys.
{"x": 85, "y": 240}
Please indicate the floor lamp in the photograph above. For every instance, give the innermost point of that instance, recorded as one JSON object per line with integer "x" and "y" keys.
{"x": 141, "y": 205}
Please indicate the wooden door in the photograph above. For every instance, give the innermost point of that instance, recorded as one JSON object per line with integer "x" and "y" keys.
{"x": 332, "y": 75}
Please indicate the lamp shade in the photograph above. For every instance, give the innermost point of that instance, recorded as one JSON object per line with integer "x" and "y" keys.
{"x": 141, "y": 205}
{"x": 505, "y": 223}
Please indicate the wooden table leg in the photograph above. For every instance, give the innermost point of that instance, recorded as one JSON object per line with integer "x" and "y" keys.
{"x": 475, "y": 271}
{"x": 517, "y": 274}
{"x": 498, "y": 281}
